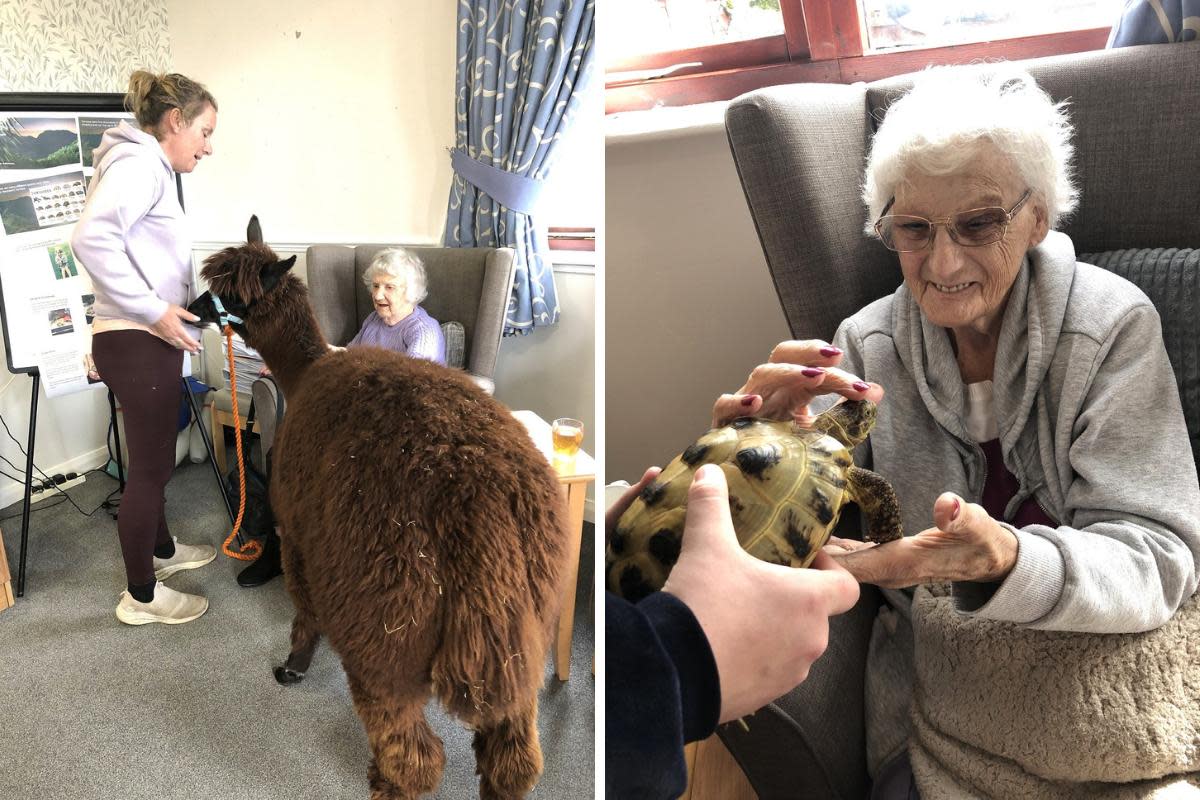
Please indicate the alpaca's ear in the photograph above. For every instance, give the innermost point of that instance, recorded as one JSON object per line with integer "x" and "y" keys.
{"x": 254, "y": 231}
{"x": 273, "y": 272}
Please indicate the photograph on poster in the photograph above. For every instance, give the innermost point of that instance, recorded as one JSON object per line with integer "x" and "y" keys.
{"x": 34, "y": 203}
{"x": 91, "y": 129}
{"x": 89, "y": 312}
{"x": 60, "y": 321}
{"x": 38, "y": 142}
{"x": 17, "y": 211}
{"x": 62, "y": 261}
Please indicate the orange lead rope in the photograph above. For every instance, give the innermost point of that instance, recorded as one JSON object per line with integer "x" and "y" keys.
{"x": 252, "y": 549}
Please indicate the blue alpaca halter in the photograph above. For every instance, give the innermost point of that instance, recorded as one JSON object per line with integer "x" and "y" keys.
{"x": 225, "y": 316}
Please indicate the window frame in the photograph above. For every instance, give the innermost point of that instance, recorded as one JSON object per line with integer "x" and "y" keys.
{"x": 574, "y": 239}
{"x": 823, "y": 42}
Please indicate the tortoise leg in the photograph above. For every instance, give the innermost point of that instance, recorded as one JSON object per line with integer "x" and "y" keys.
{"x": 877, "y": 500}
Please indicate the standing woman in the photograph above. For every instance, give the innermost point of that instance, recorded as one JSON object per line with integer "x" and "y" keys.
{"x": 132, "y": 240}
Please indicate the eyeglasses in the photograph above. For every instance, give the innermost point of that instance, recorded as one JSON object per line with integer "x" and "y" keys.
{"x": 976, "y": 227}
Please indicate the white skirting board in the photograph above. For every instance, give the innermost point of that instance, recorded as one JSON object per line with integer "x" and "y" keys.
{"x": 15, "y": 492}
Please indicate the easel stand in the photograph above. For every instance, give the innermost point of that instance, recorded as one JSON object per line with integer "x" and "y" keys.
{"x": 33, "y": 404}
{"x": 112, "y": 405}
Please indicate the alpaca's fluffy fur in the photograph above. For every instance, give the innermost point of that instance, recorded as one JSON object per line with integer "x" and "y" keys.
{"x": 422, "y": 535}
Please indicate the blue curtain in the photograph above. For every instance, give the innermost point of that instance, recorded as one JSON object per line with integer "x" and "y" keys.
{"x": 522, "y": 65}
{"x": 1156, "y": 22}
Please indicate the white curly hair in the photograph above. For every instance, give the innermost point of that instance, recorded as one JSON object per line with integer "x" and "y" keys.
{"x": 939, "y": 126}
{"x": 396, "y": 262}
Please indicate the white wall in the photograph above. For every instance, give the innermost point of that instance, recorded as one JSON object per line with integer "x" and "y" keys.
{"x": 334, "y": 117}
{"x": 333, "y": 127}
{"x": 689, "y": 303}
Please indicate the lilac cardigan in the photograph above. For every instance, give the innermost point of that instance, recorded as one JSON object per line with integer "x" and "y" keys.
{"x": 417, "y": 335}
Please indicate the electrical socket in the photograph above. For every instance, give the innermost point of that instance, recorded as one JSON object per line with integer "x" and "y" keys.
{"x": 48, "y": 493}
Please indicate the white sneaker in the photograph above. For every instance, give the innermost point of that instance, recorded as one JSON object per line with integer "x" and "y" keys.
{"x": 168, "y": 606}
{"x": 187, "y": 556}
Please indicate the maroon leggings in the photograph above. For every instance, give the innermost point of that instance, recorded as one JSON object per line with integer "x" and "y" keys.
{"x": 143, "y": 372}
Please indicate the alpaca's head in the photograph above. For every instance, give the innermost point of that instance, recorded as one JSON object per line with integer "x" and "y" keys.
{"x": 241, "y": 280}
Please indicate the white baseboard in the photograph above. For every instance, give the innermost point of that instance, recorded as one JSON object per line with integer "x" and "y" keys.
{"x": 14, "y": 492}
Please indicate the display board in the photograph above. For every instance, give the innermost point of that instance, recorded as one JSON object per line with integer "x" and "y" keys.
{"x": 46, "y": 146}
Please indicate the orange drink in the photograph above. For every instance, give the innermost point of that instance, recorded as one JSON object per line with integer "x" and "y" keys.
{"x": 567, "y": 435}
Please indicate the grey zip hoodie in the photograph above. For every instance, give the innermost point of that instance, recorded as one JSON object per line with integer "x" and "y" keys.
{"x": 132, "y": 237}
{"x": 1091, "y": 425}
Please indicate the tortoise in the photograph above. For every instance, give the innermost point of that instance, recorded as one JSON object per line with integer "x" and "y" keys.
{"x": 787, "y": 486}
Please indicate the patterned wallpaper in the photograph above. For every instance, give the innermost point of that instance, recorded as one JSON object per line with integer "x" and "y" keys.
{"x": 80, "y": 45}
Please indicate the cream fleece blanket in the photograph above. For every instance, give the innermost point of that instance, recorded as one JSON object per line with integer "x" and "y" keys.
{"x": 1006, "y": 712}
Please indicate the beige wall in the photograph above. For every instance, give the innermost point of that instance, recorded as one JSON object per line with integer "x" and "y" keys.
{"x": 689, "y": 304}
{"x": 334, "y": 117}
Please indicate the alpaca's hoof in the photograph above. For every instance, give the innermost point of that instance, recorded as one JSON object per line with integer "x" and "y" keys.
{"x": 287, "y": 676}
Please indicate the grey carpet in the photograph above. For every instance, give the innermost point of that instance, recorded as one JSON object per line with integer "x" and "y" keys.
{"x": 91, "y": 708}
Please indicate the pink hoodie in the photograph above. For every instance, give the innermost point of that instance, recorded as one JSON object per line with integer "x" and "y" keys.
{"x": 131, "y": 238}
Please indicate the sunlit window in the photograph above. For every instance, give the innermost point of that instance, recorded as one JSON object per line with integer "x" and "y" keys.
{"x": 654, "y": 26}
{"x": 936, "y": 23}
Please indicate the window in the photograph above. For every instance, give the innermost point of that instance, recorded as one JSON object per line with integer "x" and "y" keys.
{"x": 679, "y": 52}
{"x": 572, "y": 203}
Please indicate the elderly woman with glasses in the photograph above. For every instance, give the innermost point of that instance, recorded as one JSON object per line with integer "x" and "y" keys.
{"x": 1032, "y": 426}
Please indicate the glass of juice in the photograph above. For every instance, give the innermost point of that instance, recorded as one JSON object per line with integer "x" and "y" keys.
{"x": 567, "y": 434}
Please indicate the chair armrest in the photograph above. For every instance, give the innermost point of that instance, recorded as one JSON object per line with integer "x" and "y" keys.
{"x": 487, "y": 384}
{"x": 489, "y": 322}
{"x": 211, "y": 359}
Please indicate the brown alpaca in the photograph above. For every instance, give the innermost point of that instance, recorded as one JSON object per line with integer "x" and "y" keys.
{"x": 422, "y": 535}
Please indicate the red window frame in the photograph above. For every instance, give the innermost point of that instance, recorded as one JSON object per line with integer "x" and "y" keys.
{"x": 576, "y": 239}
{"x": 822, "y": 43}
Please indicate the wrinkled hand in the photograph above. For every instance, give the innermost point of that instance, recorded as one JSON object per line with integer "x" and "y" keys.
{"x": 625, "y": 501}
{"x": 796, "y": 373}
{"x": 966, "y": 544}
{"x": 172, "y": 331}
{"x": 766, "y": 623}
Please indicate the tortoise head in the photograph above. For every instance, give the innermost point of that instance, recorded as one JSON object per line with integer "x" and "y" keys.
{"x": 849, "y": 421}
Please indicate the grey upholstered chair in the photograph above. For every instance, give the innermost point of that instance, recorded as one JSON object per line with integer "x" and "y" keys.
{"x": 468, "y": 286}
{"x": 800, "y": 151}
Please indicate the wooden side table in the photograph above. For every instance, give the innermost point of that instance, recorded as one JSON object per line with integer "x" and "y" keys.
{"x": 6, "y": 591}
{"x": 574, "y": 475}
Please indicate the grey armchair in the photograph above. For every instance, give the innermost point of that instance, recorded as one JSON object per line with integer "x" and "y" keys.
{"x": 466, "y": 285}
{"x": 800, "y": 151}
{"x": 469, "y": 286}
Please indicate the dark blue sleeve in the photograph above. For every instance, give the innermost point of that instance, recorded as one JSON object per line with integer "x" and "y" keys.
{"x": 661, "y": 691}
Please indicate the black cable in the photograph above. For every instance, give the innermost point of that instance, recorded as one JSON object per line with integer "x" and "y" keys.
{"x": 49, "y": 482}
{"x": 21, "y": 447}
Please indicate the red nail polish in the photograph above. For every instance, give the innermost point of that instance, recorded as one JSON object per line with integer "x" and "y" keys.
{"x": 954, "y": 513}
{"x": 748, "y": 400}
{"x": 862, "y": 386}
{"x": 812, "y": 372}
{"x": 831, "y": 351}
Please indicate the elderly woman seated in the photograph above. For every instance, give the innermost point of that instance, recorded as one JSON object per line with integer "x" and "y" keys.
{"x": 396, "y": 279}
{"x": 1032, "y": 429}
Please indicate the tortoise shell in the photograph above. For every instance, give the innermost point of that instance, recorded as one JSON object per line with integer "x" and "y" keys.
{"x": 787, "y": 487}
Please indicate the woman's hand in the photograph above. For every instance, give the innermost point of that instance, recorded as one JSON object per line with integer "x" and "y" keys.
{"x": 796, "y": 373}
{"x": 171, "y": 330}
{"x": 966, "y": 545}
